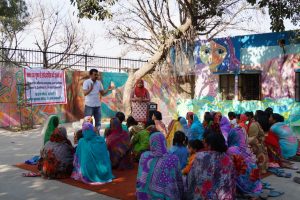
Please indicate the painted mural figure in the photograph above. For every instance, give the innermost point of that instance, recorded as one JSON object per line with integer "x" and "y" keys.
{"x": 212, "y": 56}
{"x": 92, "y": 88}
{"x": 139, "y": 99}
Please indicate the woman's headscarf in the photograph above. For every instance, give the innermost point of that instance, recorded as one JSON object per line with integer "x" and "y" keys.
{"x": 115, "y": 124}
{"x": 221, "y": 125}
{"x": 196, "y": 129}
{"x": 117, "y": 134}
{"x": 140, "y": 91}
{"x": 158, "y": 146}
{"x": 59, "y": 135}
{"x": 242, "y": 121}
{"x": 225, "y": 127}
{"x": 172, "y": 128}
{"x": 184, "y": 125}
{"x": 49, "y": 127}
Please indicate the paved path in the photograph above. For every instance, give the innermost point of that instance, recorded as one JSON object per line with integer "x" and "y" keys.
{"x": 20, "y": 146}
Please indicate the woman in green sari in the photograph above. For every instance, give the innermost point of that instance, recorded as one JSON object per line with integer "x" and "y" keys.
{"x": 50, "y": 125}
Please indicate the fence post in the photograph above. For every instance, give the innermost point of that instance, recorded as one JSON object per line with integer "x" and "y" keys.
{"x": 120, "y": 63}
{"x": 85, "y": 62}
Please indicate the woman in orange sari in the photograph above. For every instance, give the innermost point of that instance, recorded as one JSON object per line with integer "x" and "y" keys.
{"x": 139, "y": 99}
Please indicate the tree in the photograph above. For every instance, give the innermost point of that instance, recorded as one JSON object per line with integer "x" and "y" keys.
{"x": 279, "y": 10}
{"x": 57, "y": 30}
{"x": 154, "y": 26}
{"x": 13, "y": 19}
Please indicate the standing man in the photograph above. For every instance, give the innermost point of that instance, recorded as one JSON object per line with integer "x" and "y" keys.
{"x": 92, "y": 88}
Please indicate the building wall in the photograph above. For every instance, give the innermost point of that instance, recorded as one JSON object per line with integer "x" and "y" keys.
{"x": 250, "y": 52}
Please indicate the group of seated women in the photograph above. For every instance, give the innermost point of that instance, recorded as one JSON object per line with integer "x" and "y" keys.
{"x": 216, "y": 159}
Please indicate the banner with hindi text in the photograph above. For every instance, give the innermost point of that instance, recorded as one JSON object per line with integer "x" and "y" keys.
{"x": 44, "y": 86}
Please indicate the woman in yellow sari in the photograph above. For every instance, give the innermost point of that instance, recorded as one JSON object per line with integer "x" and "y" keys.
{"x": 172, "y": 128}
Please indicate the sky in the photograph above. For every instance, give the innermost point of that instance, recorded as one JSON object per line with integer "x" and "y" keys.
{"x": 108, "y": 47}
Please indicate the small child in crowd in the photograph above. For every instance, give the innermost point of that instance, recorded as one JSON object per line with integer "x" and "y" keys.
{"x": 194, "y": 147}
{"x": 179, "y": 148}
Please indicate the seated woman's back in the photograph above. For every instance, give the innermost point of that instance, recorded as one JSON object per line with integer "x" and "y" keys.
{"x": 212, "y": 175}
{"x": 118, "y": 144}
{"x": 247, "y": 179}
{"x": 287, "y": 139}
{"x": 57, "y": 155}
{"x": 92, "y": 164}
{"x": 159, "y": 175}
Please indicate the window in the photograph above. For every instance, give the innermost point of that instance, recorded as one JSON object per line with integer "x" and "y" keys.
{"x": 249, "y": 87}
{"x": 297, "y": 87}
{"x": 226, "y": 86}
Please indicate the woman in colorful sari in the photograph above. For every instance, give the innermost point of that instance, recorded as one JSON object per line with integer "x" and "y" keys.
{"x": 212, "y": 175}
{"x": 208, "y": 120}
{"x": 287, "y": 139}
{"x": 256, "y": 140}
{"x": 247, "y": 179}
{"x": 140, "y": 143}
{"x": 118, "y": 144}
{"x": 133, "y": 126}
{"x": 172, "y": 128}
{"x": 51, "y": 124}
{"x": 159, "y": 175}
{"x": 91, "y": 162}
{"x": 57, "y": 156}
{"x": 241, "y": 120}
{"x": 160, "y": 126}
{"x": 196, "y": 129}
{"x": 221, "y": 124}
{"x": 139, "y": 99}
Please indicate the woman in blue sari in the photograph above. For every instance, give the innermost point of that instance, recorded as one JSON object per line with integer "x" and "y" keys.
{"x": 184, "y": 125}
{"x": 196, "y": 129}
{"x": 287, "y": 139}
{"x": 91, "y": 162}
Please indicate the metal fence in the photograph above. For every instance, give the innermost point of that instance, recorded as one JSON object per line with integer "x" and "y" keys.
{"x": 60, "y": 60}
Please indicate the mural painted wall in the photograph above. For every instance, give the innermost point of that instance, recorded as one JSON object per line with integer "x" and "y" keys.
{"x": 13, "y": 111}
{"x": 264, "y": 52}
{"x": 252, "y": 52}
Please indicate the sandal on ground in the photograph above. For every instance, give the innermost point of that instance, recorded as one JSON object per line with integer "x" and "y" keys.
{"x": 31, "y": 174}
{"x": 274, "y": 193}
{"x": 287, "y": 175}
{"x": 296, "y": 180}
{"x": 267, "y": 186}
{"x": 264, "y": 195}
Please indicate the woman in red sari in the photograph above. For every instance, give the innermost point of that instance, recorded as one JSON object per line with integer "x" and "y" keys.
{"x": 118, "y": 145}
{"x": 139, "y": 99}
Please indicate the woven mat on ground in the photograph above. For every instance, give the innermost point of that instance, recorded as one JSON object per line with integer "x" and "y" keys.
{"x": 123, "y": 187}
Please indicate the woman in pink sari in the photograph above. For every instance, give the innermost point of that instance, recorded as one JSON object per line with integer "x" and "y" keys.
{"x": 139, "y": 99}
{"x": 118, "y": 145}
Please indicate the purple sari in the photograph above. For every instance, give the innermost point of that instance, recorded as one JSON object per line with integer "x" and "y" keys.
{"x": 159, "y": 175}
{"x": 247, "y": 179}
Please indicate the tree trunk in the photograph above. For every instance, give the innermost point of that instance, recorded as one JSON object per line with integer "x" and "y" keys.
{"x": 156, "y": 58}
